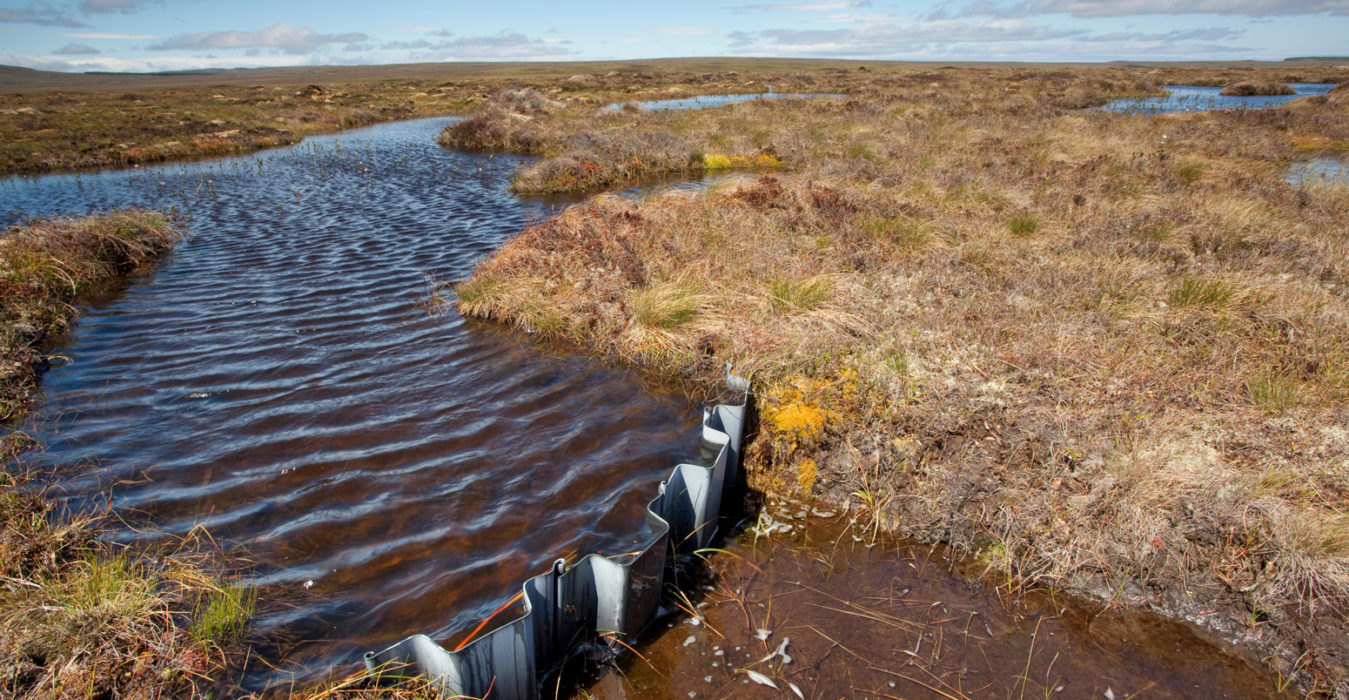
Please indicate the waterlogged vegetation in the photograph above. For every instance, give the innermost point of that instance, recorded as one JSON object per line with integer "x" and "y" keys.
{"x": 1104, "y": 352}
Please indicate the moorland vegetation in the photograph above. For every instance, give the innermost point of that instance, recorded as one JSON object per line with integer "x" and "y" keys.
{"x": 1103, "y": 353}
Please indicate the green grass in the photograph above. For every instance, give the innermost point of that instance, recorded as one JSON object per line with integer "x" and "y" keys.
{"x": 224, "y": 613}
{"x": 665, "y": 306}
{"x": 479, "y": 290}
{"x": 1188, "y": 172}
{"x": 1273, "y": 392}
{"x": 793, "y": 296}
{"x": 1199, "y": 292}
{"x": 1022, "y": 225}
{"x": 903, "y": 232}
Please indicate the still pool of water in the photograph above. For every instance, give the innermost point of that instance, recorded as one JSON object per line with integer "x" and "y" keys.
{"x": 1199, "y": 98}
{"x": 811, "y": 604}
{"x": 1322, "y": 170}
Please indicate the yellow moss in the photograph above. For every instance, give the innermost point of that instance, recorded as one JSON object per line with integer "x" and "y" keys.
{"x": 716, "y": 161}
{"x": 793, "y": 410}
{"x": 1312, "y": 142}
{"x": 806, "y": 473}
{"x": 798, "y": 419}
{"x": 722, "y": 161}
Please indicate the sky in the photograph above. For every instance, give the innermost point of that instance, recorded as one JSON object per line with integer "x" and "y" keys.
{"x": 162, "y": 35}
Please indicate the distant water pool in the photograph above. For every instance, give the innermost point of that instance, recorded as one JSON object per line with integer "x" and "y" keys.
{"x": 701, "y": 101}
{"x": 1322, "y": 170}
{"x": 1200, "y": 98}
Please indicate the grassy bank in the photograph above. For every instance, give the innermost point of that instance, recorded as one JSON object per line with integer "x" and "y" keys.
{"x": 1104, "y": 353}
{"x": 80, "y": 617}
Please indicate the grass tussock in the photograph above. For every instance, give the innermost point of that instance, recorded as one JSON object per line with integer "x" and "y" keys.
{"x": 1250, "y": 88}
{"x": 1108, "y": 353}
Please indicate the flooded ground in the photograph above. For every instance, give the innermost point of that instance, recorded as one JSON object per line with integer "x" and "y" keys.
{"x": 1322, "y": 170}
{"x": 279, "y": 381}
{"x": 1199, "y": 98}
{"x": 825, "y": 611}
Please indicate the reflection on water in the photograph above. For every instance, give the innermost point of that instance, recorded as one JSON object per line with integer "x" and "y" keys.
{"x": 825, "y": 609}
{"x": 1198, "y": 98}
{"x": 278, "y": 381}
{"x": 701, "y": 101}
{"x": 1322, "y": 170}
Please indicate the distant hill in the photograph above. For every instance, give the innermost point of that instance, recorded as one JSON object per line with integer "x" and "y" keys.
{"x": 27, "y": 80}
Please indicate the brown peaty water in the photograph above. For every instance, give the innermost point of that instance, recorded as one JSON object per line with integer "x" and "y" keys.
{"x": 808, "y": 601}
{"x": 278, "y": 381}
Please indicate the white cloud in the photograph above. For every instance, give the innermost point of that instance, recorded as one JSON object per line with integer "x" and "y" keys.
{"x": 506, "y": 45}
{"x": 1129, "y": 8}
{"x": 104, "y": 6}
{"x": 827, "y": 6}
{"x": 683, "y": 31}
{"x": 1178, "y": 35}
{"x": 106, "y": 35}
{"x": 74, "y": 49}
{"x": 879, "y": 39}
{"x": 500, "y": 46}
{"x": 281, "y": 36}
{"x": 168, "y": 62}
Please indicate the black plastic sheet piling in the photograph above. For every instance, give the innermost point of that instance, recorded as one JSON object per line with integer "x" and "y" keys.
{"x": 598, "y": 594}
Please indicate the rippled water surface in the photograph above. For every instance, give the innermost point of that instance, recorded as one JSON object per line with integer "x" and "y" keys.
{"x": 278, "y": 380}
{"x": 1198, "y": 98}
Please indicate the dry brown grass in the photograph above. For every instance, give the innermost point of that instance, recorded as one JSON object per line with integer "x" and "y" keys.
{"x": 1106, "y": 352}
{"x": 1250, "y": 88}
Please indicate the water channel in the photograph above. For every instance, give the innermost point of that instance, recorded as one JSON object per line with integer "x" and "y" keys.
{"x": 279, "y": 381}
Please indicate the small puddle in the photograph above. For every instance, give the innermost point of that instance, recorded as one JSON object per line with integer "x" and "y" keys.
{"x": 701, "y": 101}
{"x": 1322, "y": 170}
{"x": 1200, "y": 98}
{"x": 816, "y": 605}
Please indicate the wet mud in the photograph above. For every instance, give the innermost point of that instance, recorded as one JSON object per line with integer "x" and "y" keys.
{"x": 804, "y": 603}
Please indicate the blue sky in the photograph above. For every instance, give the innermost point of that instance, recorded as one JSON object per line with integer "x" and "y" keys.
{"x": 151, "y": 35}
